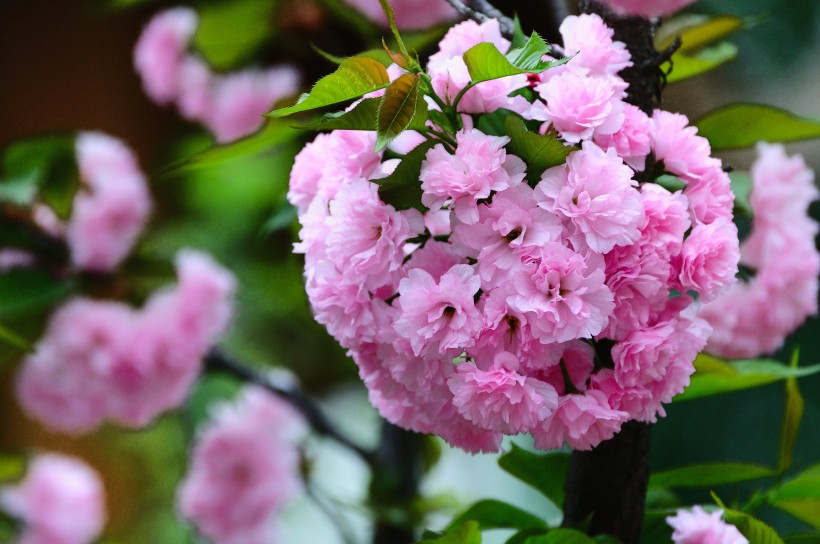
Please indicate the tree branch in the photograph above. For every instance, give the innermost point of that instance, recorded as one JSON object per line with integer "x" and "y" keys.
{"x": 484, "y": 11}
{"x": 217, "y": 361}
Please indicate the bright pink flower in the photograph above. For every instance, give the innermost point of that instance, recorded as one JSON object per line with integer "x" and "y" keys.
{"x": 480, "y": 165}
{"x": 698, "y": 526}
{"x": 710, "y": 195}
{"x": 244, "y": 468}
{"x": 709, "y": 259}
{"x": 160, "y": 52}
{"x": 60, "y": 501}
{"x": 581, "y": 420}
{"x": 632, "y": 140}
{"x": 561, "y": 294}
{"x": 439, "y": 316}
{"x": 240, "y": 99}
{"x": 594, "y": 192}
{"x": 590, "y": 40}
{"x": 500, "y": 398}
{"x": 436, "y": 258}
{"x": 667, "y": 219}
{"x": 647, "y": 8}
{"x": 410, "y": 14}
{"x": 111, "y": 211}
{"x": 682, "y": 151}
{"x": 578, "y": 106}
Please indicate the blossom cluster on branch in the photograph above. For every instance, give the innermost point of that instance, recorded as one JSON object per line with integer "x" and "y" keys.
{"x": 489, "y": 307}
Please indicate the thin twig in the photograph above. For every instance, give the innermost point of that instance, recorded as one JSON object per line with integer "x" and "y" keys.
{"x": 220, "y": 362}
{"x": 484, "y": 11}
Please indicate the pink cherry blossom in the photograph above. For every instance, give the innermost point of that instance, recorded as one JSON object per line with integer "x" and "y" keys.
{"x": 161, "y": 51}
{"x": 647, "y": 8}
{"x": 581, "y": 420}
{"x": 244, "y": 468}
{"x": 479, "y": 166}
{"x": 682, "y": 151}
{"x": 595, "y": 192}
{"x": 61, "y": 500}
{"x": 632, "y": 140}
{"x": 709, "y": 258}
{"x": 697, "y": 526}
{"x": 410, "y": 14}
{"x": 111, "y": 210}
{"x": 590, "y": 40}
{"x": 710, "y": 195}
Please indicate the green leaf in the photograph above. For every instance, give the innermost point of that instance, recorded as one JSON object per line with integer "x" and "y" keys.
{"x": 12, "y": 467}
{"x": 684, "y": 66}
{"x": 353, "y": 78}
{"x": 792, "y": 417}
{"x": 544, "y": 472}
{"x": 539, "y": 152}
{"x": 14, "y": 340}
{"x": 753, "y": 529}
{"x": 709, "y": 474}
{"x": 802, "y": 538}
{"x": 714, "y": 376}
{"x": 468, "y": 533}
{"x": 402, "y": 188}
{"x": 282, "y": 218}
{"x": 44, "y": 166}
{"x": 800, "y": 496}
{"x": 391, "y": 21}
{"x": 697, "y": 31}
{"x": 26, "y": 292}
{"x": 399, "y": 105}
{"x": 743, "y": 125}
{"x": 559, "y": 536}
{"x": 485, "y": 62}
{"x": 529, "y": 56}
{"x": 742, "y": 189}
{"x": 493, "y": 514}
{"x": 231, "y": 31}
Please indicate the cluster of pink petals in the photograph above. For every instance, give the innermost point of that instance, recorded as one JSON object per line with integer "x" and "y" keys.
{"x": 410, "y": 14}
{"x": 697, "y": 526}
{"x": 754, "y": 317}
{"x": 647, "y": 8}
{"x": 103, "y": 360}
{"x": 110, "y": 209}
{"x": 479, "y": 316}
{"x": 61, "y": 500}
{"x": 244, "y": 468}
{"x": 229, "y": 105}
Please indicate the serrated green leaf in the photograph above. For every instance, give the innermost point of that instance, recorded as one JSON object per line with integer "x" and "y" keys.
{"x": 800, "y": 496}
{"x": 519, "y": 38}
{"x": 493, "y": 514}
{"x": 364, "y": 116}
{"x": 485, "y": 62}
{"x": 539, "y": 152}
{"x": 398, "y": 108}
{"x": 709, "y": 474}
{"x": 231, "y": 31}
{"x": 468, "y": 533}
{"x": 529, "y": 57}
{"x": 544, "y": 472}
{"x": 753, "y": 529}
{"x": 402, "y": 188}
{"x": 792, "y": 416}
{"x": 697, "y": 31}
{"x": 714, "y": 376}
{"x": 355, "y": 77}
{"x": 743, "y": 125}
{"x": 684, "y": 66}
{"x": 26, "y": 292}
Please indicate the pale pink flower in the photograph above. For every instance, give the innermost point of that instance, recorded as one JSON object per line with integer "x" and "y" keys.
{"x": 682, "y": 151}
{"x": 579, "y": 106}
{"x": 462, "y": 37}
{"x": 632, "y": 140}
{"x": 240, "y": 99}
{"x": 710, "y": 195}
{"x": 709, "y": 259}
{"x": 590, "y": 40}
{"x": 196, "y": 94}
{"x": 647, "y": 8}
{"x": 667, "y": 219}
{"x": 410, "y": 14}
{"x": 244, "y": 468}
{"x": 783, "y": 186}
{"x": 480, "y": 165}
{"x": 61, "y": 500}
{"x": 581, "y": 420}
{"x": 561, "y": 294}
{"x": 697, "y": 526}
{"x": 439, "y": 316}
{"x": 501, "y": 398}
{"x": 436, "y": 258}
{"x": 111, "y": 210}
{"x": 11, "y": 258}
{"x": 595, "y": 192}
{"x": 161, "y": 50}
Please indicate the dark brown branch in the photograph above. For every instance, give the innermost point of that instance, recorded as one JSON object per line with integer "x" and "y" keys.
{"x": 216, "y": 361}
{"x": 484, "y": 11}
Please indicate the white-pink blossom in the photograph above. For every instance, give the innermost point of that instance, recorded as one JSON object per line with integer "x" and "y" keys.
{"x": 410, "y": 14}
{"x": 647, "y": 8}
{"x": 697, "y": 526}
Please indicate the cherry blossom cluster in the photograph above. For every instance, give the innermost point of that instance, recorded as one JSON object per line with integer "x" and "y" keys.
{"x": 410, "y": 14}
{"x": 229, "y": 105}
{"x": 698, "y": 526}
{"x": 754, "y": 317}
{"x": 61, "y": 500}
{"x": 647, "y": 8}
{"x": 103, "y": 360}
{"x": 244, "y": 468}
{"x": 563, "y": 306}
